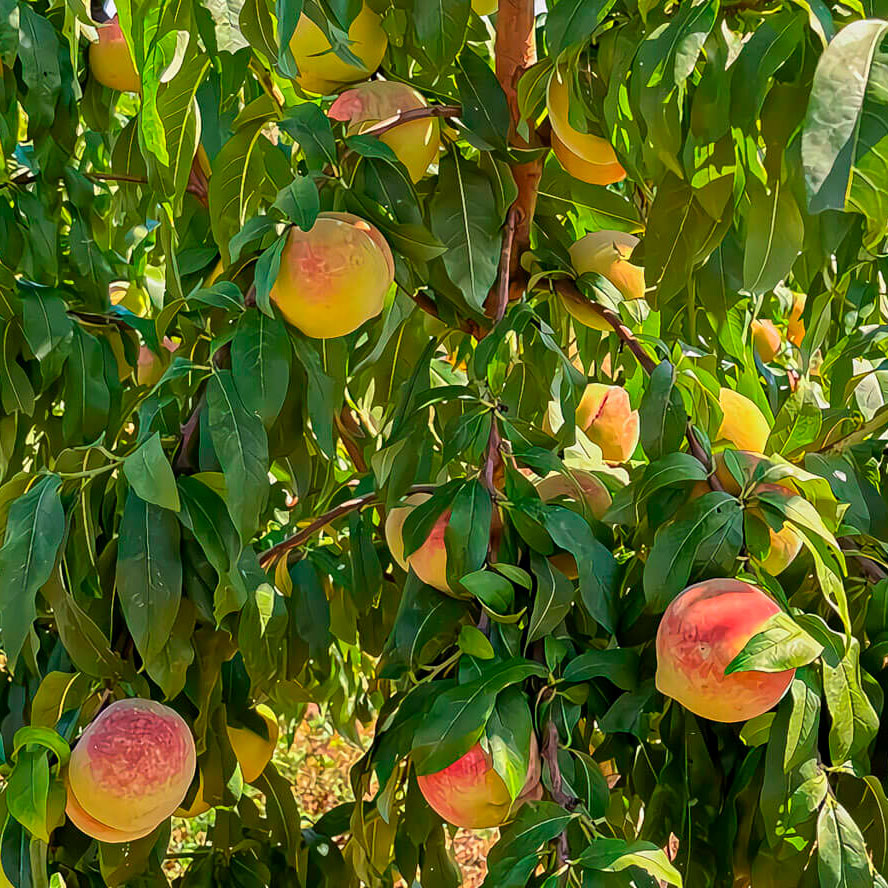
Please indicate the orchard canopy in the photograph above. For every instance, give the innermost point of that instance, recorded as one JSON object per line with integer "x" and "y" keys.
{"x": 511, "y": 380}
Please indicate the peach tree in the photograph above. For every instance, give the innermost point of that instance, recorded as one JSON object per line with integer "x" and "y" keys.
{"x": 508, "y": 377}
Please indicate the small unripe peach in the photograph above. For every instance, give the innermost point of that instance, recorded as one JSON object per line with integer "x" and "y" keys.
{"x": 595, "y": 495}
{"x": 795, "y": 332}
{"x": 110, "y": 61}
{"x": 485, "y": 7}
{"x": 429, "y": 561}
{"x": 743, "y": 425}
{"x": 320, "y": 69}
{"x": 767, "y": 339}
{"x": 150, "y": 367}
{"x": 785, "y": 542}
{"x": 470, "y": 793}
{"x": 333, "y": 277}
{"x": 607, "y": 418}
{"x": 586, "y": 147}
{"x": 416, "y": 143}
{"x": 701, "y": 632}
{"x": 129, "y": 770}
{"x": 604, "y": 170}
{"x": 608, "y": 254}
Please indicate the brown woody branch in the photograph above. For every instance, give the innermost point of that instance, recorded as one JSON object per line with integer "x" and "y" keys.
{"x": 497, "y": 308}
{"x": 445, "y": 111}
{"x": 516, "y": 52}
{"x": 568, "y": 290}
{"x": 276, "y": 552}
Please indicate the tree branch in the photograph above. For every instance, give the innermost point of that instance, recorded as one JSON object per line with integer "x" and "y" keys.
{"x": 496, "y": 308}
{"x": 446, "y": 111}
{"x": 515, "y": 53}
{"x": 276, "y": 552}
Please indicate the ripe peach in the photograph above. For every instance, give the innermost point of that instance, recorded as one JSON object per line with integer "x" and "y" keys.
{"x": 605, "y": 415}
{"x": 110, "y": 60}
{"x": 416, "y": 143}
{"x": 606, "y": 253}
{"x": 334, "y": 277}
{"x": 767, "y": 339}
{"x": 131, "y": 766}
{"x": 605, "y": 170}
{"x": 471, "y": 794}
{"x": 700, "y": 633}
{"x": 586, "y": 146}
{"x": 429, "y": 561}
{"x": 795, "y": 331}
{"x": 320, "y": 69}
{"x": 743, "y": 425}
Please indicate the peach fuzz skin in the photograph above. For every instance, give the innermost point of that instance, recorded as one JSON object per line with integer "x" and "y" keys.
{"x": 470, "y": 793}
{"x": 333, "y": 277}
{"x": 132, "y": 767}
{"x": 606, "y": 253}
{"x": 587, "y": 147}
{"x": 429, "y": 561}
{"x": 605, "y": 415}
{"x": 767, "y": 339}
{"x": 605, "y": 170}
{"x": 700, "y": 633}
{"x": 110, "y": 61}
{"x": 416, "y": 143}
{"x": 321, "y": 71}
{"x": 743, "y": 425}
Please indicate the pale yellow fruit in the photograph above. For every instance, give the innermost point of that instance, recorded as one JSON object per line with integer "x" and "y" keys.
{"x": 743, "y": 425}
{"x": 110, "y": 61}
{"x": 604, "y": 170}
{"x": 416, "y": 143}
{"x": 320, "y": 69}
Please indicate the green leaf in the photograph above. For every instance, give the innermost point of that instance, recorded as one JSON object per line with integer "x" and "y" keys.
{"x": 508, "y": 736}
{"x": 833, "y": 122}
{"x": 570, "y": 21}
{"x": 149, "y": 573}
{"x": 553, "y": 599}
{"x": 261, "y": 355}
{"x": 712, "y": 524}
{"x": 35, "y": 529}
{"x": 458, "y": 716}
{"x": 241, "y": 444}
{"x": 441, "y": 29}
{"x": 474, "y": 642}
{"x": 842, "y": 861}
{"x": 485, "y": 110}
{"x": 782, "y": 644}
{"x": 618, "y": 665}
{"x": 662, "y": 414}
{"x": 28, "y": 791}
{"x": 615, "y": 855}
{"x": 774, "y": 235}
{"x": 45, "y": 322}
{"x": 87, "y": 397}
{"x": 150, "y": 474}
{"x": 465, "y": 220}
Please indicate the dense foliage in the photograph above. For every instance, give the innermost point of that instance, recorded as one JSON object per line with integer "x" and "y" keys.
{"x": 194, "y": 492}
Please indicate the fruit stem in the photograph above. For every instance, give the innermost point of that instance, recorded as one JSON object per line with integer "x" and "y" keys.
{"x": 446, "y": 111}
{"x": 276, "y": 552}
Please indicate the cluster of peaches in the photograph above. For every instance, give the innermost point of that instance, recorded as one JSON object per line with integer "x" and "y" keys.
{"x": 133, "y": 765}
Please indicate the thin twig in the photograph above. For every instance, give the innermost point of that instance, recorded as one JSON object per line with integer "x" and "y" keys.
{"x": 269, "y": 556}
{"x": 497, "y": 309}
{"x": 116, "y": 177}
{"x": 494, "y": 458}
{"x": 871, "y": 569}
{"x": 550, "y": 756}
{"x": 445, "y": 111}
